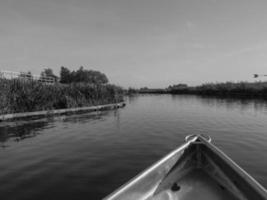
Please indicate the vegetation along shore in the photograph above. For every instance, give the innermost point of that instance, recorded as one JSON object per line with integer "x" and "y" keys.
{"x": 227, "y": 89}
{"x": 71, "y": 90}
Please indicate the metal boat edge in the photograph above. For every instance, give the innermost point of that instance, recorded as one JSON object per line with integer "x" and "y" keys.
{"x": 163, "y": 166}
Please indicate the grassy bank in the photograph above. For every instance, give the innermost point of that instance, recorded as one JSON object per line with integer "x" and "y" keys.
{"x": 26, "y": 96}
{"x": 227, "y": 89}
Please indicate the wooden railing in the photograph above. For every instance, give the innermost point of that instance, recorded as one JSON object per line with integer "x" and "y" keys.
{"x": 26, "y": 77}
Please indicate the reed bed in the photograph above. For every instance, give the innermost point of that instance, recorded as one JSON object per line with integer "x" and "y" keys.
{"x": 242, "y": 89}
{"x": 26, "y": 96}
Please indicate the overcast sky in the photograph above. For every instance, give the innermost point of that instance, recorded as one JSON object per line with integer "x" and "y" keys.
{"x": 137, "y": 43}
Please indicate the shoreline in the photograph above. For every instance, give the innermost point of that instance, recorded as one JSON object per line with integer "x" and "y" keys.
{"x": 47, "y": 113}
{"x": 230, "y": 94}
{"x": 236, "y": 95}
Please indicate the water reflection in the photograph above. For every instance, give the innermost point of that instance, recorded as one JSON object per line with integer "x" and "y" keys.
{"x": 132, "y": 98}
{"x": 17, "y": 131}
{"x": 233, "y": 103}
{"x": 117, "y": 118}
{"x": 25, "y": 129}
{"x": 225, "y": 102}
{"x": 84, "y": 118}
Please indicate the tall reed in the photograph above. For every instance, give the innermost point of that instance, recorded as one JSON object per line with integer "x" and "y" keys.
{"x": 25, "y": 96}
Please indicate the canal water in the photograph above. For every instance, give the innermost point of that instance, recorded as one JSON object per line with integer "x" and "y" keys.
{"x": 87, "y": 156}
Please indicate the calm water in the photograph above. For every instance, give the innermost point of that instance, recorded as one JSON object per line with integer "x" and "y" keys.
{"x": 88, "y": 156}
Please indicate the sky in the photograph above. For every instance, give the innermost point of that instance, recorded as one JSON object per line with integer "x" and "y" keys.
{"x": 137, "y": 43}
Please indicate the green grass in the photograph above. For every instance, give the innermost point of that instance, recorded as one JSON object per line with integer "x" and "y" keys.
{"x": 26, "y": 96}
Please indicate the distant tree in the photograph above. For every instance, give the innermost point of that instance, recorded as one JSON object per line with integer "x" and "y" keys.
{"x": 178, "y": 86}
{"x": 144, "y": 88}
{"x": 65, "y": 75}
{"x": 82, "y": 75}
{"x": 96, "y": 77}
{"x": 132, "y": 90}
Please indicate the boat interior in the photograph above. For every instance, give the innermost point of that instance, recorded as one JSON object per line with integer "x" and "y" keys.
{"x": 197, "y": 170}
{"x": 197, "y": 176}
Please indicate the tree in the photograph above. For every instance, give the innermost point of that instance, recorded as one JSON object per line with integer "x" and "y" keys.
{"x": 82, "y": 75}
{"x": 178, "y": 86}
{"x": 97, "y": 77}
{"x": 65, "y": 75}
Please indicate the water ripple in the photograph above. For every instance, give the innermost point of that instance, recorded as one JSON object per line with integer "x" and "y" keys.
{"x": 87, "y": 156}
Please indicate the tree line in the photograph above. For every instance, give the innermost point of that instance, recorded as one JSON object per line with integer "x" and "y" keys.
{"x": 67, "y": 76}
{"x": 78, "y": 88}
{"x": 82, "y": 75}
{"x": 225, "y": 89}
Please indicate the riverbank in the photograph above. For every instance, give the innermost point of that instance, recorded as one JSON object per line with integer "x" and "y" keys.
{"x": 227, "y": 89}
{"x": 18, "y": 96}
{"x": 39, "y": 114}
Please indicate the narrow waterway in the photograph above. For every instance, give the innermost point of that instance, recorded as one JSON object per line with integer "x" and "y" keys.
{"x": 87, "y": 156}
